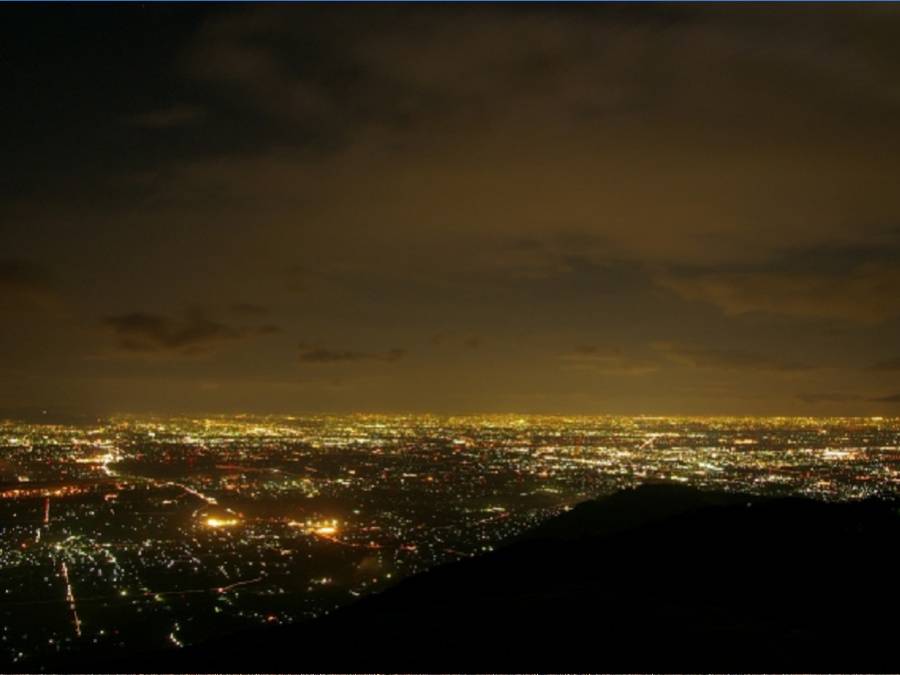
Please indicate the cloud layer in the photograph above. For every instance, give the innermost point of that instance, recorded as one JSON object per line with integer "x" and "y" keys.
{"x": 193, "y": 335}
{"x": 587, "y": 208}
{"x": 324, "y": 355}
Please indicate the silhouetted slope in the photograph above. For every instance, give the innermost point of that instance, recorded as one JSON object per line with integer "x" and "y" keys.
{"x": 629, "y": 509}
{"x": 659, "y": 578}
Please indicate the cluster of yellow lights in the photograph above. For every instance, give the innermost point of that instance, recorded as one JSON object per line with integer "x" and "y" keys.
{"x": 324, "y": 528}
{"x": 222, "y": 522}
{"x": 105, "y": 458}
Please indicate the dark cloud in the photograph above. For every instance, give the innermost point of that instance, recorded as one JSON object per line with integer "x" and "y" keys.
{"x": 867, "y": 294}
{"x": 888, "y": 365}
{"x": 192, "y": 335}
{"x": 832, "y": 283}
{"x": 404, "y": 69}
{"x": 324, "y": 355}
{"x": 829, "y": 397}
{"x": 893, "y": 398}
{"x": 472, "y": 342}
{"x": 728, "y": 359}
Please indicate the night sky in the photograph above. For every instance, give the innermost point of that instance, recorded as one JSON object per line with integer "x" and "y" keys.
{"x": 571, "y": 209}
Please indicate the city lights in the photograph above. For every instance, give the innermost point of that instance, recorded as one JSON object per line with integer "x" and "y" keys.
{"x": 222, "y": 522}
{"x": 155, "y": 533}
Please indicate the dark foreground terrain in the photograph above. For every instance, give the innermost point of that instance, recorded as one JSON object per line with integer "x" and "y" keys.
{"x": 658, "y": 578}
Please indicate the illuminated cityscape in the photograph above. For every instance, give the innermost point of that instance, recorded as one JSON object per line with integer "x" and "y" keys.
{"x": 449, "y": 336}
{"x": 156, "y": 533}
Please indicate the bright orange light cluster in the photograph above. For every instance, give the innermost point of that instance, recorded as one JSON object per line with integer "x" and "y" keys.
{"x": 325, "y": 528}
{"x": 222, "y": 522}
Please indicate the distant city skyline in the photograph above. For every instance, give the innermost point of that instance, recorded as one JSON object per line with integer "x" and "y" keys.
{"x": 653, "y": 209}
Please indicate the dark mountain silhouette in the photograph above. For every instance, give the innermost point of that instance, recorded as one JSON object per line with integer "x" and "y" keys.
{"x": 657, "y": 578}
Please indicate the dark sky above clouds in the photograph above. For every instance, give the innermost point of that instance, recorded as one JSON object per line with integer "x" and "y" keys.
{"x": 451, "y": 208}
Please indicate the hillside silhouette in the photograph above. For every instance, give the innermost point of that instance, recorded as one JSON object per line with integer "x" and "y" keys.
{"x": 657, "y": 578}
